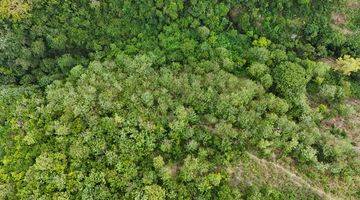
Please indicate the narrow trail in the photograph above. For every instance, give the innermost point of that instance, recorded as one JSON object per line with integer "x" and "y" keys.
{"x": 293, "y": 177}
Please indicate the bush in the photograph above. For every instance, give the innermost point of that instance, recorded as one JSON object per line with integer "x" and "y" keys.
{"x": 154, "y": 192}
{"x": 266, "y": 81}
{"x": 328, "y": 92}
{"x": 347, "y": 65}
{"x": 258, "y": 54}
{"x": 290, "y": 80}
{"x": 258, "y": 70}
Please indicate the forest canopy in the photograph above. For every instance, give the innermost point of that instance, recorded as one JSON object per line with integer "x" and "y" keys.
{"x": 174, "y": 99}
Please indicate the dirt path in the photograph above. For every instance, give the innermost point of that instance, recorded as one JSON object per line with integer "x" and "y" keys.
{"x": 294, "y": 178}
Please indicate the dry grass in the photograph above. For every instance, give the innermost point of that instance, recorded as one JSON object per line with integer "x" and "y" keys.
{"x": 257, "y": 171}
{"x": 338, "y": 18}
{"x": 350, "y": 124}
{"x": 341, "y": 19}
{"x": 353, "y": 4}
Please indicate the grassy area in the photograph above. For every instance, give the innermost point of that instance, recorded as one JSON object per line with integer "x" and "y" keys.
{"x": 283, "y": 175}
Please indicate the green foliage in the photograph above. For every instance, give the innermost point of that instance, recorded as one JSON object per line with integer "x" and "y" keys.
{"x": 269, "y": 192}
{"x": 159, "y": 99}
{"x": 261, "y": 73}
{"x": 154, "y": 192}
{"x": 331, "y": 93}
{"x": 257, "y": 70}
{"x": 258, "y": 54}
{"x": 290, "y": 79}
{"x": 126, "y": 120}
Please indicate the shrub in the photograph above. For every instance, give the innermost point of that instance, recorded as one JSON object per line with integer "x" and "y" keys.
{"x": 257, "y": 70}
{"x": 347, "y": 65}
{"x": 204, "y": 32}
{"x": 290, "y": 79}
{"x": 266, "y": 81}
{"x": 328, "y": 92}
{"x": 154, "y": 192}
{"x": 14, "y": 9}
{"x": 258, "y": 54}
{"x": 261, "y": 42}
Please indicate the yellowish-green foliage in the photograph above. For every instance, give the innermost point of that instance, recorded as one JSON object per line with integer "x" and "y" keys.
{"x": 4, "y": 71}
{"x": 347, "y": 65}
{"x": 262, "y": 42}
{"x": 13, "y": 9}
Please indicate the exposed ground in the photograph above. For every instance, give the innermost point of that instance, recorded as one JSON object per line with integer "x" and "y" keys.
{"x": 342, "y": 17}
{"x": 350, "y": 124}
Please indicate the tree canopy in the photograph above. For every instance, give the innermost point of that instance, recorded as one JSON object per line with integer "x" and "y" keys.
{"x": 162, "y": 99}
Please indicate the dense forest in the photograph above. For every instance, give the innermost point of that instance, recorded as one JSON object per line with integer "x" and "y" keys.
{"x": 179, "y": 99}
